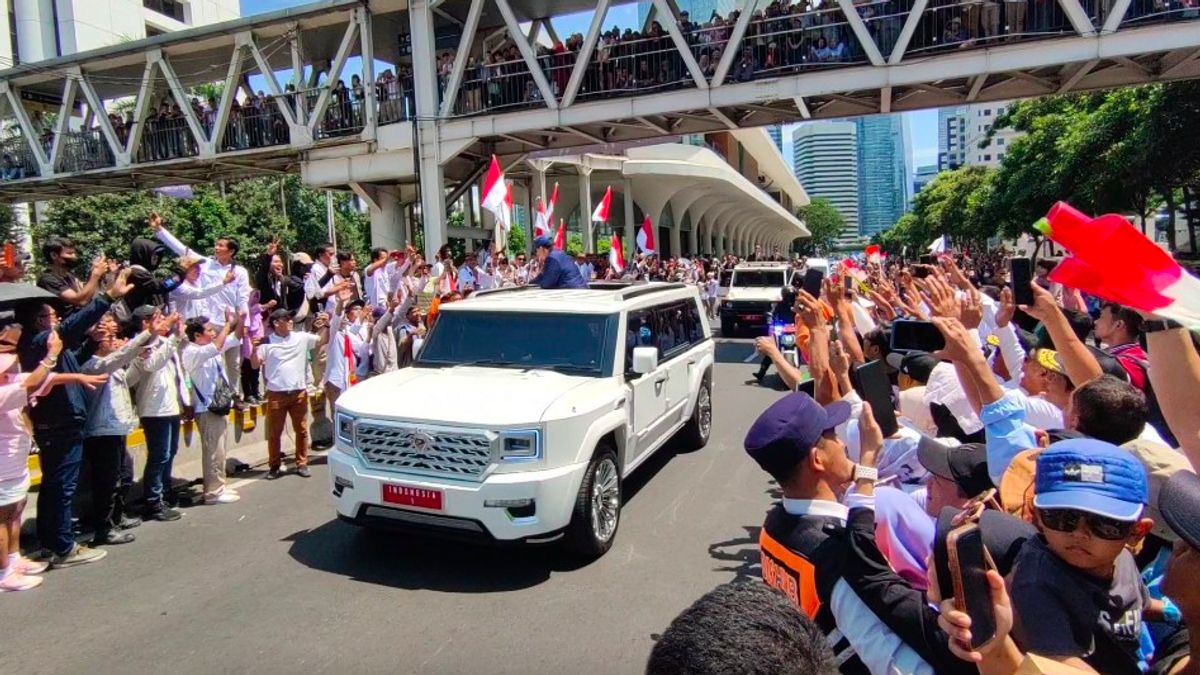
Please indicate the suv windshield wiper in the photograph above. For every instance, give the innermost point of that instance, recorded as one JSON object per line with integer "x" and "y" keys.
{"x": 566, "y": 368}
{"x": 501, "y": 363}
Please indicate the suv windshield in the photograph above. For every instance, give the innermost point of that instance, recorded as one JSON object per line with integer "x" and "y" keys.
{"x": 577, "y": 344}
{"x": 758, "y": 278}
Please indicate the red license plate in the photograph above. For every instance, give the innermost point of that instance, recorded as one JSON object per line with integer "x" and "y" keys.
{"x": 751, "y": 317}
{"x": 404, "y": 495}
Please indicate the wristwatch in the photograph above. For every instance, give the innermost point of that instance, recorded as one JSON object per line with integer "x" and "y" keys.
{"x": 1155, "y": 325}
{"x": 866, "y": 473}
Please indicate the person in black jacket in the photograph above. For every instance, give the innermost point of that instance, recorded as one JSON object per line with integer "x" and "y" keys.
{"x": 59, "y": 417}
{"x": 784, "y": 311}
{"x": 148, "y": 289}
{"x": 822, "y": 553}
{"x": 277, "y": 288}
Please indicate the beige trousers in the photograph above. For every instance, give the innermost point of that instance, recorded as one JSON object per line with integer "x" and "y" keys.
{"x": 212, "y": 444}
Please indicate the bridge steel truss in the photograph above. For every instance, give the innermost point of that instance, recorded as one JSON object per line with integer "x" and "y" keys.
{"x": 434, "y": 150}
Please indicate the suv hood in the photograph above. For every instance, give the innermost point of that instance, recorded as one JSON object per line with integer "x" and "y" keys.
{"x": 756, "y": 293}
{"x": 490, "y": 397}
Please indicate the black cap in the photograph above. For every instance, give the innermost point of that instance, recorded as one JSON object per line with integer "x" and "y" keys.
{"x": 144, "y": 312}
{"x": 355, "y": 303}
{"x": 282, "y": 313}
{"x": 965, "y": 464}
{"x": 1179, "y": 504}
{"x": 917, "y": 365}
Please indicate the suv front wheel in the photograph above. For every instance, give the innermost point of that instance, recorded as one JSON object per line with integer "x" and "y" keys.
{"x": 597, "y": 507}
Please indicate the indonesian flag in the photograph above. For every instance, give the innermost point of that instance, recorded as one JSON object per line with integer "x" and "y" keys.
{"x": 497, "y": 196}
{"x": 616, "y": 257}
{"x": 938, "y": 246}
{"x": 560, "y": 237}
{"x": 645, "y": 237}
{"x": 601, "y": 212}
{"x": 541, "y": 225}
{"x": 874, "y": 255}
{"x": 1111, "y": 259}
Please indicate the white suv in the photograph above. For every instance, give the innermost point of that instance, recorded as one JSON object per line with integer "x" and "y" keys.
{"x": 524, "y": 412}
{"x": 754, "y": 289}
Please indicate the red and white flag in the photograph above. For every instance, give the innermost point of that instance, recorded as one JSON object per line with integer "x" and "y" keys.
{"x": 616, "y": 257}
{"x": 602, "y": 209}
{"x": 645, "y": 238}
{"x": 541, "y": 226}
{"x": 874, "y": 254}
{"x": 497, "y": 195}
{"x": 560, "y": 237}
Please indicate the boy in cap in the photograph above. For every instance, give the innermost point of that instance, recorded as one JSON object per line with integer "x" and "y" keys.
{"x": 1179, "y": 504}
{"x": 822, "y": 555}
{"x": 1076, "y": 590}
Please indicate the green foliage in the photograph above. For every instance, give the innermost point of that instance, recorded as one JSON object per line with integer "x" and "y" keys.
{"x": 516, "y": 240}
{"x": 1124, "y": 151}
{"x": 251, "y": 211}
{"x": 605, "y": 245}
{"x": 574, "y": 243}
{"x": 824, "y": 222}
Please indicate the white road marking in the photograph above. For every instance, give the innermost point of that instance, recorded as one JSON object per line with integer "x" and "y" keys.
{"x": 754, "y": 356}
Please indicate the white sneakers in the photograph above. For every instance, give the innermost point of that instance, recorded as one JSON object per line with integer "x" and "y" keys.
{"x": 226, "y": 497}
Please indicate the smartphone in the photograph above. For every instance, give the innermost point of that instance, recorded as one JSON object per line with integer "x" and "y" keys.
{"x": 849, "y": 282}
{"x": 871, "y": 383}
{"x": 813, "y": 278}
{"x": 920, "y": 336}
{"x": 928, "y": 260}
{"x": 1020, "y": 275}
{"x": 921, "y": 271}
{"x": 962, "y": 563}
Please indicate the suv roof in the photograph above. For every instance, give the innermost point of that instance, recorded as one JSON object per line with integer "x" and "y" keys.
{"x": 762, "y": 266}
{"x": 598, "y": 298}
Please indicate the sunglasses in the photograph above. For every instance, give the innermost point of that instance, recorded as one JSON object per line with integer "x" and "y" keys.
{"x": 1067, "y": 520}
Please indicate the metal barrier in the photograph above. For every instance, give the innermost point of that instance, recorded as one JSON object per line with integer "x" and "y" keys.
{"x": 1146, "y": 12}
{"x": 165, "y": 138}
{"x": 17, "y": 160}
{"x": 83, "y": 151}
{"x": 258, "y": 126}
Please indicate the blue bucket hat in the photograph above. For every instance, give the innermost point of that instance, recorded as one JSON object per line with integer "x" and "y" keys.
{"x": 1091, "y": 475}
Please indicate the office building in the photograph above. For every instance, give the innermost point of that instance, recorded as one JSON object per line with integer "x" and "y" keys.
{"x": 980, "y": 119}
{"x": 952, "y": 137}
{"x": 700, "y": 11}
{"x": 923, "y": 176}
{"x": 825, "y": 159}
{"x": 45, "y": 29}
{"x": 775, "y": 131}
{"x": 883, "y": 185}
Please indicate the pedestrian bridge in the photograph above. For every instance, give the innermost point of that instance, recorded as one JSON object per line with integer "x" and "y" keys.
{"x": 410, "y": 97}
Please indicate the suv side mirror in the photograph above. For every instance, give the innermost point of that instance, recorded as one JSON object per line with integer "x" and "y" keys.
{"x": 645, "y": 359}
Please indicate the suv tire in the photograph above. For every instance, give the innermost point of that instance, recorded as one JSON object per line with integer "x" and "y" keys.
{"x": 698, "y": 429}
{"x": 597, "y": 511}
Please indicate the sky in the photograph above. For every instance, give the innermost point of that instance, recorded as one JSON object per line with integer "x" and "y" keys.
{"x": 922, "y": 125}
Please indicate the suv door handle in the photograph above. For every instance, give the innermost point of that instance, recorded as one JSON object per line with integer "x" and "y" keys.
{"x": 662, "y": 379}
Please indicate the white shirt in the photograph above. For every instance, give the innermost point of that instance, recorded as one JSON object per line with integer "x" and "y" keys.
{"x": 235, "y": 296}
{"x": 336, "y": 363}
{"x": 312, "y": 281}
{"x": 186, "y": 296}
{"x": 204, "y": 368}
{"x": 378, "y": 285}
{"x": 285, "y": 360}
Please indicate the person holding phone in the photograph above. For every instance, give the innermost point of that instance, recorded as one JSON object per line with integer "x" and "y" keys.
{"x": 821, "y": 552}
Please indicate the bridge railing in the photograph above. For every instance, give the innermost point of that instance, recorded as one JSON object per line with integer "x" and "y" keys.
{"x": 83, "y": 151}
{"x": 17, "y": 160}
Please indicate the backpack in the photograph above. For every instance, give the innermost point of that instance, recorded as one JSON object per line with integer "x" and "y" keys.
{"x": 223, "y": 395}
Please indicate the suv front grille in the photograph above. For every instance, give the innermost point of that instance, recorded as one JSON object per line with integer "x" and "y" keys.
{"x": 459, "y": 453}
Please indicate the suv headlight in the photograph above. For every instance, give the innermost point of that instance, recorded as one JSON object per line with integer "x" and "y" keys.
{"x": 520, "y": 445}
{"x": 788, "y": 340}
{"x": 344, "y": 428}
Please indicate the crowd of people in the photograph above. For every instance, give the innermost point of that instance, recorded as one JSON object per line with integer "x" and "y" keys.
{"x": 1061, "y": 431}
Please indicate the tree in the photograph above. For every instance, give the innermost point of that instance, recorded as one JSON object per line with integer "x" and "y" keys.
{"x": 516, "y": 240}
{"x": 824, "y": 223}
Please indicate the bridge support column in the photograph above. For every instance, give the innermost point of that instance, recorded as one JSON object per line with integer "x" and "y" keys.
{"x": 630, "y": 236}
{"x": 676, "y": 238}
{"x": 425, "y": 93}
{"x": 387, "y": 228}
{"x": 585, "y": 210}
{"x": 693, "y": 239}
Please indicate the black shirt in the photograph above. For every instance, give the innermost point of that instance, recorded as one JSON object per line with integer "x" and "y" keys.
{"x": 57, "y": 283}
{"x": 1063, "y": 611}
